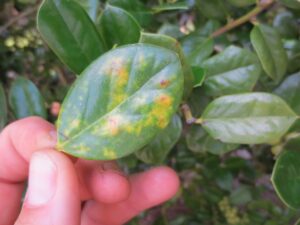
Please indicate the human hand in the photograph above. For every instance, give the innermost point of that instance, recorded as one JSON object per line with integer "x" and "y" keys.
{"x": 61, "y": 192}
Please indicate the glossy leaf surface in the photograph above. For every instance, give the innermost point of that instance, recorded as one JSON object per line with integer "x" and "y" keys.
{"x": 252, "y": 118}
{"x": 3, "y": 108}
{"x": 285, "y": 178}
{"x": 70, "y": 33}
{"x": 199, "y": 75}
{"x": 120, "y": 102}
{"x": 157, "y": 150}
{"x": 289, "y": 90}
{"x": 199, "y": 141}
{"x": 269, "y": 48}
{"x": 91, "y": 7}
{"x": 172, "y": 44}
{"x": 234, "y": 70}
{"x": 118, "y": 27}
{"x": 26, "y": 100}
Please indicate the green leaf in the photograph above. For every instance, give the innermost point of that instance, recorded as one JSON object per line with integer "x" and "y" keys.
{"x": 157, "y": 150}
{"x": 25, "y": 99}
{"x": 120, "y": 102}
{"x": 70, "y": 33}
{"x": 285, "y": 178}
{"x": 252, "y": 118}
{"x": 137, "y": 9}
{"x": 294, "y": 4}
{"x": 289, "y": 90}
{"x": 199, "y": 75}
{"x": 3, "y": 108}
{"x": 292, "y": 48}
{"x": 198, "y": 141}
{"x": 197, "y": 49}
{"x": 212, "y": 9}
{"x": 286, "y": 24}
{"x": 91, "y": 7}
{"x": 170, "y": 30}
{"x": 172, "y": 44}
{"x": 118, "y": 27}
{"x": 269, "y": 48}
{"x": 242, "y": 3}
{"x": 234, "y": 70}
{"x": 183, "y": 5}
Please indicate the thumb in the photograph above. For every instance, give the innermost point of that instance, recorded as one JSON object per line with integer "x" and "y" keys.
{"x": 53, "y": 194}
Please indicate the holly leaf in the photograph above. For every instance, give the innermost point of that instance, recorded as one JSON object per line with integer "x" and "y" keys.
{"x": 251, "y": 118}
{"x": 120, "y": 102}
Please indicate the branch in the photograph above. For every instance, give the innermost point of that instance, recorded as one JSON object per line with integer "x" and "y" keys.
{"x": 25, "y": 13}
{"x": 261, "y": 6}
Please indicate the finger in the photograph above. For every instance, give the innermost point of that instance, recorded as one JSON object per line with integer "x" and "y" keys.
{"x": 53, "y": 193}
{"x": 148, "y": 189}
{"x": 17, "y": 143}
{"x": 102, "y": 181}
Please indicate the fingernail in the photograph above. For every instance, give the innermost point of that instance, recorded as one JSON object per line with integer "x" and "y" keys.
{"x": 42, "y": 180}
{"x": 47, "y": 140}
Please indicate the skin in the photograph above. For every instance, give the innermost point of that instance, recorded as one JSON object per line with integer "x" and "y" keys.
{"x": 82, "y": 192}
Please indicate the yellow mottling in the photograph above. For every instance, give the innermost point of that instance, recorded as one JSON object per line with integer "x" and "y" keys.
{"x": 109, "y": 153}
{"x": 162, "y": 122}
{"x": 160, "y": 114}
{"x": 164, "y": 83}
{"x": 164, "y": 100}
{"x": 82, "y": 148}
{"x": 113, "y": 124}
{"x": 75, "y": 124}
{"x": 139, "y": 100}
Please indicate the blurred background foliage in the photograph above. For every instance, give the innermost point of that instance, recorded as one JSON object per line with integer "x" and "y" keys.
{"x": 222, "y": 184}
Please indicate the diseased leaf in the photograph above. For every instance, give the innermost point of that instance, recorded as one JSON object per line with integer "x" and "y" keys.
{"x": 25, "y": 99}
{"x": 120, "y": 102}
{"x": 70, "y": 33}
{"x": 118, "y": 27}
{"x": 197, "y": 49}
{"x": 157, "y": 150}
{"x": 198, "y": 140}
{"x": 172, "y": 44}
{"x": 3, "y": 108}
{"x": 91, "y": 7}
{"x": 285, "y": 178}
{"x": 252, "y": 118}
{"x": 269, "y": 48}
{"x": 234, "y": 70}
{"x": 137, "y": 9}
{"x": 289, "y": 90}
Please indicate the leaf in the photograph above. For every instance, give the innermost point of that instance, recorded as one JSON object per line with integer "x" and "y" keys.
{"x": 118, "y": 27}
{"x": 137, "y": 9}
{"x": 269, "y": 48}
{"x": 289, "y": 90}
{"x": 25, "y": 99}
{"x": 199, "y": 75}
{"x": 212, "y": 9}
{"x": 292, "y": 48}
{"x": 91, "y": 7}
{"x": 197, "y": 49}
{"x": 294, "y": 4}
{"x": 3, "y": 108}
{"x": 157, "y": 150}
{"x": 70, "y": 33}
{"x": 234, "y": 70}
{"x": 172, "y": 44}
{"x": 252, "y": 118}
{"x": 242, "y": 3}
{"x": 198, "y": 141}
{"x": 170, "y": 30}
{"x": 285, "y": 178}
{"x": 120, "y": 102}
{"x": 286, "y": 25}
{"x": 183, "y": 5}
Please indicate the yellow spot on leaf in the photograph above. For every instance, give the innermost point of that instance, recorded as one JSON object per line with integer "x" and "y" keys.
{"x": 75, "y": 124}
{"x": 164, "y": 100}
{"x": 109, "y": 153}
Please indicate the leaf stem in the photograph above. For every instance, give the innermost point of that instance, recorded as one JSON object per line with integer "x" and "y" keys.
{"x": 261, "y": 6}
{"x": 187, "y": 114}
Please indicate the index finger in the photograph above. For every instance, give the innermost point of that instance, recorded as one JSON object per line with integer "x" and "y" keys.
{"x": 17, "y": 143}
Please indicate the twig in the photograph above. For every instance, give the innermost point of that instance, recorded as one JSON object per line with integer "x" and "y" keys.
{"x": 25, "y": 13}
{"x": 261, "y": 6}
{"x": 187, "y": 114}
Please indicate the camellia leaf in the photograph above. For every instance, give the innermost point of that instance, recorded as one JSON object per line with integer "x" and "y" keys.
{"x": 3, "y": 108}
{"x": 172, "y": 44}
{"x": 199, "y": 76}
{"x": 183, "y": 5}
{"x": 242, "y": 3}
{"x": 269, "y": 48}
{"x": 120, "y": 102}
{"x": 118, "y": 27}
{"x": 285, "y": 23}
{"x": 70, "y": 33}
{"x": 156, "y": 151}
{"x": 25, "y": 99}
{"x": 285, "y": 178}
{"x": 137, "y": 9}
{"x": 212, "y": 9}
{"x": 91, "y": 7}
{"x": 289, "y": 90}
{"x": 237, "y": 71}
{"x": 294, "y": 4}
{"x": 251, "y": 118}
